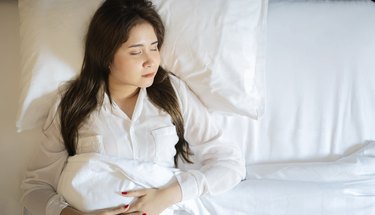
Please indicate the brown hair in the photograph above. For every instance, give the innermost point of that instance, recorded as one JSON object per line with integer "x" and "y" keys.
{"x": 109, "y": 28}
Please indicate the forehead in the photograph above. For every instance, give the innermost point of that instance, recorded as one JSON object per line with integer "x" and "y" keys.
{"x": 141, "y": 33}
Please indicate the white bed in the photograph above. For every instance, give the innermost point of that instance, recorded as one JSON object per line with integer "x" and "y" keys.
{"x": 304, "y": 155}
{"x": 309, "y": 135}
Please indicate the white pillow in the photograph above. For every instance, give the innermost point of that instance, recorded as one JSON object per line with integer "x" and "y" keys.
{"x": 216, "y": 46}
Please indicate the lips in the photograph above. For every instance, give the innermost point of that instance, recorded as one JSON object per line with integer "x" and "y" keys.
{"x": 151, "y": 74}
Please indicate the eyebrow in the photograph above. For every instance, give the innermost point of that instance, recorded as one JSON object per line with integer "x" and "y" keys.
{"x": 140, "y": 45}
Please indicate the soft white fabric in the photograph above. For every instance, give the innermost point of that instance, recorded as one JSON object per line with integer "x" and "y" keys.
{"x": 320, "y": 94}
{"x": 91, "y": 181}
{"x": 358, "y": 165}
{"x": 346, "y": 185}
{"x": 216, "y": 46}
{"x": 320, "y": 106}
{"x": 149, "y": 136}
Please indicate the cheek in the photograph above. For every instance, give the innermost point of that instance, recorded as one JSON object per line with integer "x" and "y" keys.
{"x": 123, "y": 64}
{"x": 157, "y": 60}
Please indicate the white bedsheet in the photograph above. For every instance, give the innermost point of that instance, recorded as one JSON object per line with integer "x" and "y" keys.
{"x": 320, "y": 114}
{"x": 320, "y": 83}
{"x": 342, "y": 187}
{"x": 320, "y": 78}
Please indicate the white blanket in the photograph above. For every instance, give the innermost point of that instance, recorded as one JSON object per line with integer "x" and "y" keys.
{"x": 93, "y": 181}
{"x": 344, "y": 186}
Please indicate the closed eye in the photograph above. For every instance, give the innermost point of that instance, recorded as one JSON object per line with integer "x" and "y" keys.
{"x": 154, "y": 46}
{"x": 135, "y": 53}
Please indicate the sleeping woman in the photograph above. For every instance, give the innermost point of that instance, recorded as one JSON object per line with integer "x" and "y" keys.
{"x": 126, "y": 136}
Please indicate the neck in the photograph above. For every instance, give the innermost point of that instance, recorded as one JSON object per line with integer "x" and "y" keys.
{"x": 125, "y": 98}
{"x": 123, "y": 93}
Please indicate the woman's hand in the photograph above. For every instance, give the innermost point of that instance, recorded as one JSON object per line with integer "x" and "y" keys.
{"x": 153, "y": 201}
{"x": 112, "y": 211}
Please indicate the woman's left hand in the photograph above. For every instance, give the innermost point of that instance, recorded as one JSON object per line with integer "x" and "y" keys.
{"x": 153, "y": 201}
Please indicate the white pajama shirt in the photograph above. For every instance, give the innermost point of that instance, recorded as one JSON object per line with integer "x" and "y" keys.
{"x": 148, "y": 136}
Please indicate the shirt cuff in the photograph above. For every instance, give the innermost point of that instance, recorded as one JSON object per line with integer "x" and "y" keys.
{"x": 55, "y": 205}
{"x": 192, "y": 183}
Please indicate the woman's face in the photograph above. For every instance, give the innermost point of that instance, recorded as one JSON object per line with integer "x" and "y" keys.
{"x": 136, "y": 62}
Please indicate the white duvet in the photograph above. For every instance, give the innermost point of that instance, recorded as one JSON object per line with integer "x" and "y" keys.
{"x": 93, "y": 181}
{"x": 342, "y": 187}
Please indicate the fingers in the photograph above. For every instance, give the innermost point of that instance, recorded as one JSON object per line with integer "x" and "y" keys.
{"x": 134, "y": 208}
{"x": 135, "y": 193}
{"x": 116, "y": 211}
{"x": 138, "y": 205}
{"x": 135, "y": 213}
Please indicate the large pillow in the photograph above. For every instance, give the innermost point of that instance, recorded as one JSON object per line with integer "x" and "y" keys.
{"x": 216, "y": 46}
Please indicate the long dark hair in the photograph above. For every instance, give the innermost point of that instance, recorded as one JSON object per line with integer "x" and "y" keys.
{"x": 108, "y": 30}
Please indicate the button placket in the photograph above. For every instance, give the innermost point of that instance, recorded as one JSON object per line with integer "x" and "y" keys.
{"x": 133, "y": 141}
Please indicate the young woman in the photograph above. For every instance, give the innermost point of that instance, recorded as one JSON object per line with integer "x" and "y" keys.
{"x": 123, "y": 100}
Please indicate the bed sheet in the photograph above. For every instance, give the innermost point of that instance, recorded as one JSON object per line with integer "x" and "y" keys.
{"x": 320, "y": 83}
{"x": 319, "y": 114}
{"x": 344, "y": 186}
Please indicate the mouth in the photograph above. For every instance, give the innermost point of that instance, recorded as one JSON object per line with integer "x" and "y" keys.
{"x": 148, "y": 75}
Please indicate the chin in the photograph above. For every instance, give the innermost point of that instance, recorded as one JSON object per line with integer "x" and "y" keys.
{"x": 148, "y": 84}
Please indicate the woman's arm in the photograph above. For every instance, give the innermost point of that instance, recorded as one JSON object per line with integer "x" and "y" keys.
{"x": 43, "y": 172}
{"x": 70, "y": 211}
{"x": 112, "y": 211}
{"x": 219, "y": 163}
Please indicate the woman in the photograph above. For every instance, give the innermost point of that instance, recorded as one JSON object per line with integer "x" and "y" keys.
{"x": 124, "y": 101}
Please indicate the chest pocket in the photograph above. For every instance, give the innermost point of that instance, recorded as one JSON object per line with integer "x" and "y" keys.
{"x": 165, "y": 139}
{"x": 91, "y": 144}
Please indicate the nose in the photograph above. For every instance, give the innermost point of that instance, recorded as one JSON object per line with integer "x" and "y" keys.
{"x": 147, "y": 64}
{"x": 148, "y": 61}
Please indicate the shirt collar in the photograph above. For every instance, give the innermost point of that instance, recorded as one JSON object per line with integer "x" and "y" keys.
{"x": 116, "y": 110}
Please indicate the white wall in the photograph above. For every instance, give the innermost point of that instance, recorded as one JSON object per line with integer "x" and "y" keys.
{"x": 15, "y": 149}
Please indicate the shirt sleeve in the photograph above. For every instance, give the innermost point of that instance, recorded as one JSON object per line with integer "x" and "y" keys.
{"x": 219, "y": 164}
{"x": 43, "y": 173}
